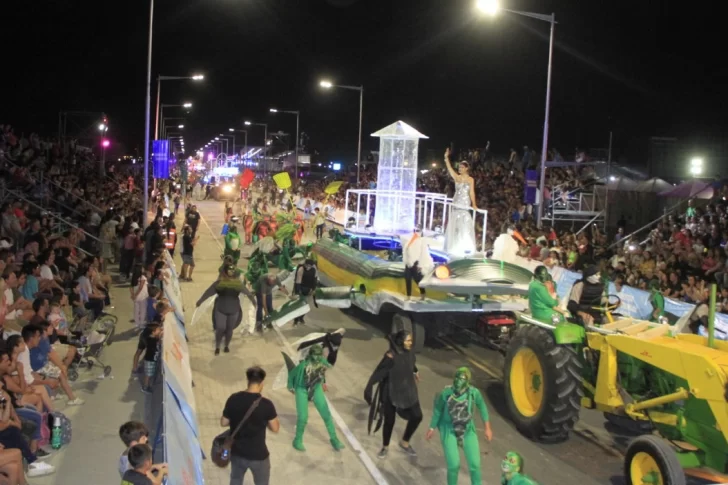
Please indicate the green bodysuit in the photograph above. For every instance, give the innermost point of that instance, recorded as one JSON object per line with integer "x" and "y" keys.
{"x": 518, "y": 479}
{"x": 540, "y": 302}
{"x": 232, "y": 245}
{"x": 453, "y": 418}
{"x": 306, "y": 382}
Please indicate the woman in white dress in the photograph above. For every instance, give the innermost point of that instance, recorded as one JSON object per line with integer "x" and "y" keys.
{"x": 460, "y": 231}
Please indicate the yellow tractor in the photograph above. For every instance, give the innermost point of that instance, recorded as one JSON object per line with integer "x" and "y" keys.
{"x": 672, "y": 385}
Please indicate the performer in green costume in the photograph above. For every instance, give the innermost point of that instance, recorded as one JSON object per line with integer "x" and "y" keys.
{"x": 657, "y": 300}
{"x": 453, "y": 418}
{"x": 233, "y": 243}
{"x": 306, "y": 381}
{"x": 512, "y": 468}
{"x": 543, "y": 306}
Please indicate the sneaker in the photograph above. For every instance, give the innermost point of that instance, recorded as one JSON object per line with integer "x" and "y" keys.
{"x": 76, "y": 402}
{"x": 57, "y": 397}
{"x": 409, "y": 450}
{"x": 226, "y": 350}
{"x": 383, "y": 453}
{"x": 146, "y": 390}
{"x": 40, "y": 468}
{"x": 217, "y": 351}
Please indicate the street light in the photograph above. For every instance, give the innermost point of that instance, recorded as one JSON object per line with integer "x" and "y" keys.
{"x": 298, "y": 117}
{"x": 246, "y": 137}
{"x": 696, "y": 166}
{"x": 187, "y": 105}
{"x": 265, "y": 136}
{"x": 328, "y": 85}
{"x": 180, "y": 126}
{"x": 492, "y": 7}
{"x": 194, "y": 77}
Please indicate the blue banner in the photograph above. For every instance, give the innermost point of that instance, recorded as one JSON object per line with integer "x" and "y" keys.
{"x": 529, "y": 195}
{"x": 182, "y": 448}
{"x": 160, "y": 150}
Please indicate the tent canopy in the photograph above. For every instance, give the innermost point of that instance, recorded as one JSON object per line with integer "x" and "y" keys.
{"x": 655, "y": 184}
{"x": 690, "y": 190}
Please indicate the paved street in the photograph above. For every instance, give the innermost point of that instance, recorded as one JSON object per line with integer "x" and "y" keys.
{"x": 577, "y": 461}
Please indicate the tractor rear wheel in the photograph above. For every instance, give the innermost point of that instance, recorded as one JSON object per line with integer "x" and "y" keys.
{"x": 543, "y": 384}
{"x": 650, "y": 459}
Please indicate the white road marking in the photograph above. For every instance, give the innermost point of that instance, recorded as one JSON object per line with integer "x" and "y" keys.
{"x": 356, "y": 447}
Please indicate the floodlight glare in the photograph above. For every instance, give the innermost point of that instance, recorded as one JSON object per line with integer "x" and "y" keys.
{"x": 490, "y": 7}
{"x": 326, "y": 84}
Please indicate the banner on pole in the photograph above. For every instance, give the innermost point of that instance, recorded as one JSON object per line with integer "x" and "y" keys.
{"x": 160, "y": 150}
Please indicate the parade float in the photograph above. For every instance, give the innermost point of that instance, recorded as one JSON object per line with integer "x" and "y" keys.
{"x": 359, "y": 266}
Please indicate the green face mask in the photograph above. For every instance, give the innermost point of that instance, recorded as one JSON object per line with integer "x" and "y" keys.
{"x": 462, "y": 380}
{"x": 512, "y": 463}
{"x": 315, "y": 353}
{"x": 542, "y": 274}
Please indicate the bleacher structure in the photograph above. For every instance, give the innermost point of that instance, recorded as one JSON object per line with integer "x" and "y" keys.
{"x": 581, "y": 206}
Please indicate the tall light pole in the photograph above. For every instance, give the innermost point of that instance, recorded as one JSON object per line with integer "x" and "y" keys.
{"x": 298, "y": 118}
{"x": 167, "y": 118}
{"x": 227, "y": 145}
{"x": 246, "y": 137}
{"x": 223, "y": 135}
{"x": 147, "y": 113}
{"x": 265, "y": 136}
{"x": 195, "y": 77}
{"x": 329, "y": 85}
{"x": 492, "y": 7}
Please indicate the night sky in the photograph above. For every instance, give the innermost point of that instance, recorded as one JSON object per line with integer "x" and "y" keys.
{"x": 637, "y": 68}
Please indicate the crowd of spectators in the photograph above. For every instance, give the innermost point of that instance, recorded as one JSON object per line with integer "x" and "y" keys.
{"x": 681, "y": 256}
{"x": 62, "y": 224}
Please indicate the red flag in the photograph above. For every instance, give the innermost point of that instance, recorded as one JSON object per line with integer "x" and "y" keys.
{"x": 246, "y": 178}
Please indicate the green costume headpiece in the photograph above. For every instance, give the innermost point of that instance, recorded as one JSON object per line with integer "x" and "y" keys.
{"x": 462, "y": 379}
{"x": 512, "y": 463}
{"x": 315, "y": 353}
{"x": 542, "y": 274}
{"x": 654, "y": 285}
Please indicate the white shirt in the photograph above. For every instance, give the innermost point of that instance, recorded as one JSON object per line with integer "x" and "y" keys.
{"x": 415, "y": 250}
{"x": 46, "y": 273}
{"x": 9, "y": 300}
{"x": 144, "y": 294}
{"x": 24, "y": 358}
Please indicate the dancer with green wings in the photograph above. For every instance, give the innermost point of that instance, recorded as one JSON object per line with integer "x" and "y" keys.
{"x": 453, "y": 416}
{"x": 307, "y": 381}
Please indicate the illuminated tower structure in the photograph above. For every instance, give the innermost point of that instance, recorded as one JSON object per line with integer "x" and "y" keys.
{"x": 396, "y": 178}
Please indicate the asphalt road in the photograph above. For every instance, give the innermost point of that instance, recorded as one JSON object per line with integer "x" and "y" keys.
{"x": 591, "y": 456}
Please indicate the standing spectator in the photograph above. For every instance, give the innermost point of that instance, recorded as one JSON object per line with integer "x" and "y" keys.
{"x": 151, "y": 355}
{"x": 193, "y": 219}
{"x": 319, "y": 221}
{"x": 170, "y": 235}
{"x": 249, "y": 450}
{"x": 142, "y": 471}
{"x": 132, "y": 433}
{"x": 128, "y": 250}
{"x": 188, "y": 248}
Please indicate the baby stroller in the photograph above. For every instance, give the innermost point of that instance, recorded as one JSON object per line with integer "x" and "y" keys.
{"x": 90, "y": 340}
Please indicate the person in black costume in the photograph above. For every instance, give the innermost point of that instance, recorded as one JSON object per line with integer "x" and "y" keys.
{"x": 586, "y": 296}
{"x": 396, "y": 393}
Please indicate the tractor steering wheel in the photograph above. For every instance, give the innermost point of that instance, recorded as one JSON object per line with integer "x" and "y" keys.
{"x": 611, "y": 304}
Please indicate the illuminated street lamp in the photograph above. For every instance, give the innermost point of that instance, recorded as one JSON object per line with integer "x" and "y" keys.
{"x": 492, "y": 7}
{"x": 180, "y": 126}
{"x": 329, "y": 85}
{"x": 265, "y": 136}
{"x": 298, "y": 117}
{"x": 245, "y": 132}
{"x": 194, "y": 77}
{"x": 696, "y": 166}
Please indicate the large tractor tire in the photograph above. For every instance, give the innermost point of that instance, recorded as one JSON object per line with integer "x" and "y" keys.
{"x": 543, "y": 384}
{"x": 650, "y": 459}
{"x": 402, "y": 321}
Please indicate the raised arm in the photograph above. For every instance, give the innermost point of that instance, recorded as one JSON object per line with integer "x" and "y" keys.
{"x": 450, "y": 170}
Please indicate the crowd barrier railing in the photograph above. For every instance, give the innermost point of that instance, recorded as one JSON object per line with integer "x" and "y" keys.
{"x": 178, "y": 420}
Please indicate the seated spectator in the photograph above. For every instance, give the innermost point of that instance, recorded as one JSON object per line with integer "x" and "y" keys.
{"x": 78, "y": 308}
{"x": 132, "y": 433}
{"x": 40, "y": 309}
{"x": 142, "y": 471}
{"x": 11, "y": 467}
{"x": 26, "y": 412}
{"x": 19, "y": 309}
{"x": 31, "y": 287}
{"x": 20, "y": 377}
{"x": 12, "y": 438}
{"x": 47, "y": 367}
{"x": 92, "y": 299}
